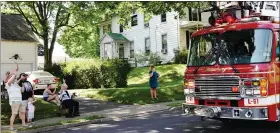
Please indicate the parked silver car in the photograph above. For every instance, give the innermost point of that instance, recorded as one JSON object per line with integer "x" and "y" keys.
{"x": 40, "y": 79}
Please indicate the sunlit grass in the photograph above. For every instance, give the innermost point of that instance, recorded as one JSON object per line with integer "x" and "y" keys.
{"x": 43, "y": 110}
{"x": 138, "y": 91}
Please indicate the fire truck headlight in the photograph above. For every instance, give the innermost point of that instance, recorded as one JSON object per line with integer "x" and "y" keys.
{"x": 188, "y": 91}
{"x": 249, "y": 92}
{"x": 257, "y": 92}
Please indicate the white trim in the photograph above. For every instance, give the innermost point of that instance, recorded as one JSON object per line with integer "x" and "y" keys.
{"x": 266, "y": 101}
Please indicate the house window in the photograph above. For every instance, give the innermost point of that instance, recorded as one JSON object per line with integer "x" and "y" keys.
{"x": 163, "y": 17}
{"x": 132, "y": 49}
{"x": 164, "y": 43}
{"x": 134, "y": 20}
{"x": 121, "y": 28}
{"x": 194, "y": 14}
{"x": 147, "y": 46}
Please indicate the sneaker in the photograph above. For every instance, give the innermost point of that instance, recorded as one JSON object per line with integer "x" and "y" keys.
{"x": 25, "y": 125}
{"x": 12, "y": 129}
{"x": 30, "y": 125}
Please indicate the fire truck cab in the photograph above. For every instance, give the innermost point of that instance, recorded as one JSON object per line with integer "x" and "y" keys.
{"x": 233, "y": 69}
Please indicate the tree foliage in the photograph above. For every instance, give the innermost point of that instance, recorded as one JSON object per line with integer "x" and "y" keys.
{"x": 79, "y": 21}
{"x": 45, "y": 19}
{"x": 82, "y": 39}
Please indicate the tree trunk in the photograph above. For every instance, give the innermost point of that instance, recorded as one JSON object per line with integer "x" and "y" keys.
{"x": 52, "y": 47}
{"x": 46, "y": 52}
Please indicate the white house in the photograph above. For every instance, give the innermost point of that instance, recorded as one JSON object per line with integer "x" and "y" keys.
{"x": 163, "y": 34}
{"x": 18, "y": 44}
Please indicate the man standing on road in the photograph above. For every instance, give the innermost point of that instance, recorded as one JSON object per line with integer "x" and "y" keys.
{"x": 28, "y": 89}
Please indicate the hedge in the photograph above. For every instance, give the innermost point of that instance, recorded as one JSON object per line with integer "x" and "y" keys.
{"x": 181, "y": 57}
{"x": 93, "y": 73}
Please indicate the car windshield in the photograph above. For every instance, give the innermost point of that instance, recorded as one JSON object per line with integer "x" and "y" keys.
{"x": 232, "y": 47}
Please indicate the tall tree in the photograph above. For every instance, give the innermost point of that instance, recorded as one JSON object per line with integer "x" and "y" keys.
{"x": 45, "y": 18}
{"x": 82, "y": 40}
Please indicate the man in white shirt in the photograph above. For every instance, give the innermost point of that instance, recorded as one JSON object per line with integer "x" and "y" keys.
{"x": 15, "y": 100}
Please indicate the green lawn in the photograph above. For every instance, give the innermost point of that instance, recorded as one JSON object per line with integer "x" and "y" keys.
{"x": 43, "y": 110}
{"x": 138, "y": 91}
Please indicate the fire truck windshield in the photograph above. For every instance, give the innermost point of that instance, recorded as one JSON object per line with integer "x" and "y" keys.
{"x": 232, "y": 47}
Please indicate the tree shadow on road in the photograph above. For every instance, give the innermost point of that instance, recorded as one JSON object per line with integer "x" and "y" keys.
{"x": 173, "y": 122}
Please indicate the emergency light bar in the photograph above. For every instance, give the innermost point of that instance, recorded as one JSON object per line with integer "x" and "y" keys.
{"x": 256, "y": 11}
{"x": 250, "y": 19}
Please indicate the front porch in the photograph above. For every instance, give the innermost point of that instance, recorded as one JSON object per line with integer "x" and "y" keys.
{"x": 114, "y": 45}
{"x": 186, "y": 30}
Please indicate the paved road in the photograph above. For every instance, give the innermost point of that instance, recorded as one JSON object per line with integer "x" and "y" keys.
{"x": 89, "y": 105}
{"x": 173, "y": 122}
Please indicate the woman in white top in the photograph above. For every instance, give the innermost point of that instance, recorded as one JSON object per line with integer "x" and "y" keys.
{"x": 66, "y": 98}
{"x": 15, "y": 100}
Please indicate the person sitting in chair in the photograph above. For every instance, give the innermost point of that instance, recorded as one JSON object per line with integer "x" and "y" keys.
{"x": 67, "y": 101}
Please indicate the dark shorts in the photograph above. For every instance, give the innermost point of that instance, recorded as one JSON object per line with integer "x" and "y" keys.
{"x": 45, "y": 98}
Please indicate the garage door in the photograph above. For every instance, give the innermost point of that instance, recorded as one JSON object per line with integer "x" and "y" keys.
{"x": 23, "y": 67}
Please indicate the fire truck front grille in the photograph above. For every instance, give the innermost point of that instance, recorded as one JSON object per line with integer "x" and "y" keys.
{"x": 216, "y": 87}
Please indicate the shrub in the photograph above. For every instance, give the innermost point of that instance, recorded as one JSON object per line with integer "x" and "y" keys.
{"x": 122, "y": 69}
{"x": 56, "y": 70}
{"x": 141, "y": 58}
{"x": 114, "y": 73}
{"x": 181, "y": 57}
{"x": 152, "y": 58}
{"x": 83, "y": 73}
{"x": 92, "y": 73}
{"x": 107, "y": 74}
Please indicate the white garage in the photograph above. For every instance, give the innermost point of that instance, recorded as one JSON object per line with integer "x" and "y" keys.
{"x": 18, "y": 44}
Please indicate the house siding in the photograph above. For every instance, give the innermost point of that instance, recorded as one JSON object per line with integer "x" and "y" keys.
{"x": 26, "y": 50}
{"x": 155, "y": 31}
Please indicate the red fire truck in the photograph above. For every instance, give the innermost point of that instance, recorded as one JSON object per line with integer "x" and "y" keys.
{"x": 233, "y": 70}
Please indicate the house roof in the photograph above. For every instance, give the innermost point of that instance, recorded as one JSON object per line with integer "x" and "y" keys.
{"x": 14, "y": 27}
{"x": 117, "y": 37}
